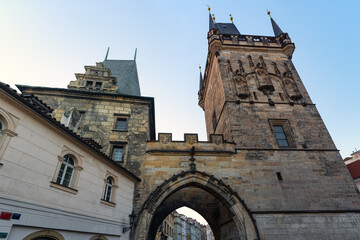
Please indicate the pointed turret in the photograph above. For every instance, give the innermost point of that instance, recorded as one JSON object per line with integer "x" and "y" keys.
{"x": 276, "y": 28}
{"x": 201, "y": 80}
{"x": 211, "y": 22}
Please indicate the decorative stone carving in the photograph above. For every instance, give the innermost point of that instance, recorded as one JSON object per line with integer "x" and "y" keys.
{"x": 241, "y": 86}
{"x": 191, "y": 138}
{"x": 217, "y": 138}
{"x": 241, "y": 68}
{"x": 264, "y": 80}
{"x": 289, "y": 84}
{"x": 228, "y": 66}
{"x": 262, "y": 62}
{"x": 276, "y": 69}
{"x": 165, "y": 138}
{"x": 251, "y": 63}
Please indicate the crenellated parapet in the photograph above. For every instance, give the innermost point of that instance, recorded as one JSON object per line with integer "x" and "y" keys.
{"x": 165, "y": 145}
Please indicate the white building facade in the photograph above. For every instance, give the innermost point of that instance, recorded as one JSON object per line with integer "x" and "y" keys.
{"x": 53, "y": 184}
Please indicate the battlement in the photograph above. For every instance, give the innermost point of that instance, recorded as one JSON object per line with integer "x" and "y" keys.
{"x": 249, "y": 40}
{"x": 166, "y": 144}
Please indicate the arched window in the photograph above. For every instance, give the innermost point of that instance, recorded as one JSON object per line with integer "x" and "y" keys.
{"x": 66, "y": 171}
{"x": 108, "y": 189}
{"x": 8, "y": 123}
{"x": 44, "y": 235}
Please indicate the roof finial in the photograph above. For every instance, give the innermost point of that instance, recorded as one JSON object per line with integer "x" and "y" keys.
{"x": 231, "y": 18}
{"x": 107, "y": 53}
{"x": 201, "y": 79}
{"x": 208, "y": 8}
{"x": 135, "y": 54}
{"x": 213, "y": 17}
{"x": 276, "y": 28}
{"x": 268, "y": 13}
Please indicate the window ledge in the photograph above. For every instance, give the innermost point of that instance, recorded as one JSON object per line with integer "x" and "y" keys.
{"x": 111, "y": 204}
{"x": 61, "y": 187}
{"x": 117, "y": 130}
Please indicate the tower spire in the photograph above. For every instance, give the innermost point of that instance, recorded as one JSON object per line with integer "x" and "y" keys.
{"x": 107, "y": 53}
{"x": 276, "y": 28}
{"x": 211, "y": 21}
{"x": 201, "y": 79}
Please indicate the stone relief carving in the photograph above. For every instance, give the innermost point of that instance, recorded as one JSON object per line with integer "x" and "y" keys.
{"x": 241, "y": 86}
{"x": 191, "y": 138}
{"x": 251, "y": 63}
{"x": 217, "y": 139}
{"x": 276, "y": 69}
{"x": 289, "y": 84}
{"x": 165, "y": 138}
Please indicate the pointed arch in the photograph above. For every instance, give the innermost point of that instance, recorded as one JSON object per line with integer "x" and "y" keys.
{"x": 241, "y": 215}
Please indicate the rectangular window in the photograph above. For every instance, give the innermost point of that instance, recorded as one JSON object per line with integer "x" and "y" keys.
{"x": 280, "y": 136}
{"x": 98, "y": 85}
{"x": 282, "y": 132}
{"x": 89, "y": 84}
{"x": 121, "y": 124}
{"x": 117, "y": 153}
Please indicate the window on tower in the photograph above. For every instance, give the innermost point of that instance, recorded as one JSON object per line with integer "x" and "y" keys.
{"x": 89, "y": 84}
{"x": 282, "y": 132}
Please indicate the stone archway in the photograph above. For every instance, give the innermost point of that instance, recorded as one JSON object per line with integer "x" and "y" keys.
{"x": 222, "y": 208}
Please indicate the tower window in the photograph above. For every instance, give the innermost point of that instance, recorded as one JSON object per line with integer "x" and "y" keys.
{"x": 278, "y": 174}
{"x": 118, "y": 153}
{"x": 282, "y": 132}
{"x": 121, "y": 124}
{"x": 98, "y": 85}
{"x": 89, "y": 84}
{"x": 280, "y": 136}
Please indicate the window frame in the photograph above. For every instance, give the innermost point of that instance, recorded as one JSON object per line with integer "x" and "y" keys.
{"x": 67, "y": 166}
{"x": 118, "y": 145}
{"x": 8, "y": 123}
{"x": 119, "y": 116}
{"x": 284, "y": 123}
{"x": 115, "y": 186}
{"x": 78, "y": 163}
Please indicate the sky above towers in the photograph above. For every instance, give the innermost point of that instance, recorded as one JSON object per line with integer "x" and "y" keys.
{"x": 43, "y": 43}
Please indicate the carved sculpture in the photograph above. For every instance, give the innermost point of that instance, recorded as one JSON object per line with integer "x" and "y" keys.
{"x": 289, "y": 84}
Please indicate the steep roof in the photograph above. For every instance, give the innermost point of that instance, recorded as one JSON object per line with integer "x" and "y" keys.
{"x": 224, "y": 28}
{"x": 126, "y": 75}
{"x": 276, "y": 28}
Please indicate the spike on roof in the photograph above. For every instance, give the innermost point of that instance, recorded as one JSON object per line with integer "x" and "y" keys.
{"x": 224, "y": 28}
{"x": 201, "y": 80}
{"x": 211, "y": 22}
{"x": 276, "y": 28}
{"x": 107, "y": 53}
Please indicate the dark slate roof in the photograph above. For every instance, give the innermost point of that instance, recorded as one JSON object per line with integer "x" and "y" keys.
{"x": 211, "y": 23}
{"x": 227, "y": 28}
{"x": 276, "y": 28}
{"x": 126, "y": 75}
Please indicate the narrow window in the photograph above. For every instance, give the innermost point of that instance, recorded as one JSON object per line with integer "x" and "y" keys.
{"x": 255, "y": 96}
{"x": 89, "y": 84}
{"x": 66, "y": 171}
{"x": 278, "y": 174}
{"x": 117, "y": 154}
{"x": 280, "y": 136}
{"x": 281, "y": 97}
{"x": 121, "y": 124}
{"x": 108, "y": 189}
{"x": 1, "y": 128}
{"x": 98, "y": 85}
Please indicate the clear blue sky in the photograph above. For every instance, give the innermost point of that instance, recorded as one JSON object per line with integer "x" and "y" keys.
{"x": 45, "y": 42}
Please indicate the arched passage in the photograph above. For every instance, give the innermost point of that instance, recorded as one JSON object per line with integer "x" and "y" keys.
{"x": 222, "y": 208}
